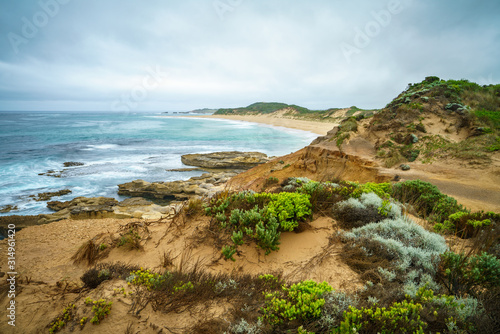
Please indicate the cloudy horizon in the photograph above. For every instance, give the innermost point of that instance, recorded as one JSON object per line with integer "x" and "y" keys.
{"x": 74, "y": 55}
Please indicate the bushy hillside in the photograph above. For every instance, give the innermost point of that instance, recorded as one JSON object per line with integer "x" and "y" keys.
{"x": 437, "y": 119}
{"x": 411, "y": 281}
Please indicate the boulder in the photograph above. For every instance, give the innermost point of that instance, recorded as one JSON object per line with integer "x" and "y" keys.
{"x": 206, "y": 184}
{"x": 227, "y": 160}
{"x": 96, "y": 203}
{"x": 82, "y": 208}
{"x": 48, "y": 195}
{"x": 8, "y": 208}
{"x": 73, "y": 164}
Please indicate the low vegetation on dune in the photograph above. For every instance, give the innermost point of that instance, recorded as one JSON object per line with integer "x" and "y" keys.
{"x": 437, "y": 119}
{"x": 413, "y": 281}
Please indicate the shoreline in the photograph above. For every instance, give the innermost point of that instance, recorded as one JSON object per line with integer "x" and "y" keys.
{"x": 319, "y": 128}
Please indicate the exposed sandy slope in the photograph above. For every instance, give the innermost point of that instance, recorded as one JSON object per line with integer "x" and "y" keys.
{"x": 320, "y": 128}
{"x": 44, "y": 258}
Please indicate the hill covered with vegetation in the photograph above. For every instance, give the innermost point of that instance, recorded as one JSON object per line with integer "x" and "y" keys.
{"x": 435, "y": 119}
{"x": 293, "y": 111}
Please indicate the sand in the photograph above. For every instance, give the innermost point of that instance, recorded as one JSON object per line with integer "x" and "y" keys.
{"x": 317, "y": 127}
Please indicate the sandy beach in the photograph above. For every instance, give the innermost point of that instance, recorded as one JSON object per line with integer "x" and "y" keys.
{"x": 320, "y": 128}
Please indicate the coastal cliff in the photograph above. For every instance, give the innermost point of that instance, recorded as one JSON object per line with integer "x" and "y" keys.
{"x": 379, "y": 210}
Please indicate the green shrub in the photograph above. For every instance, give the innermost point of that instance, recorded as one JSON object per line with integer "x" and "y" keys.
{"x": 146, "y": 278}
{"x": 468, "y": 274}
{"x": 383, "y": 320}
{"x": 101, "y": 309}
{"x": 368, "y": 208}
{"x": 130, "y": 240}
{"x": 383, "y": 190}
{"x": 301, "y": 301}
{"x": 441, "y": 313}
{"x": 270, "y": 181}
{"x": 287, "y": 208}
{"x": 427, "y": 199}
{"x": 268, "y": 237}
{"x": 60, "y": 322}
{"x": 466, "y": 224}
{"x": 259, "y": 216}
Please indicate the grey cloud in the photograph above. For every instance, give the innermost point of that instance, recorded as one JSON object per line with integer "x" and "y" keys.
{"x": 92, "y": 52}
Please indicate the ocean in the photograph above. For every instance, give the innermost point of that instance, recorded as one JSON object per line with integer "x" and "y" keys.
{"x": 115, "y": 148}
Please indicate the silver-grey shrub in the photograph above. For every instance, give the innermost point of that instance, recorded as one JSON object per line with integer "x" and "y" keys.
{"x": 415, "y": 252}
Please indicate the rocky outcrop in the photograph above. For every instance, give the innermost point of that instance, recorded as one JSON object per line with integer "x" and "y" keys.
{"x": 317, "y": 162}
{"x": 8, "y": 208}
{"x": 48, "y": 195}
{"x": 204, "y": 185}
{"x": 227, "y": 160}
{"x": 82, "y": 208}
{"x": 73, "y": 164}
{"x": 91, "y": 208}
{"x": 52, "y": 173}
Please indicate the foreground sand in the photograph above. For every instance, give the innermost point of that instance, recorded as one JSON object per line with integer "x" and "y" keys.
{"x": 317, "y": 127}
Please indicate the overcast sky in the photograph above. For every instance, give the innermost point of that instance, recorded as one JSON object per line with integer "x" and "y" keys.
{"x": 127, "y": 55}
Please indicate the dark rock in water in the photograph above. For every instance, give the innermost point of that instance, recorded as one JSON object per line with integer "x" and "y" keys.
{"x": 52, "y": 173}
{"x": 48, "y": 195}
{"x": 404, "y": 167}
{"x": 226, "y": 160}
{"x": 73, "y": 164}
{"x": 8, "y": 208}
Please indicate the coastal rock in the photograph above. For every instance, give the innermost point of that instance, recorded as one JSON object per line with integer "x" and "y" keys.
{"x": 206, "y": 184}
{"x": 92, "y": 202}
{"x": 82, "y": 208}
{"x": 52, "y": 173}
{"x": 227, "y": 160}
{"x": 8, "y": 208}
{"x": 91, "y": 208}
{"x": 73, "y": 164}
{"x": 48, "y": 195}
{"x": 140, "y": 208}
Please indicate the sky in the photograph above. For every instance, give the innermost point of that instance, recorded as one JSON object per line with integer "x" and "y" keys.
{"x": 159, "y": 55}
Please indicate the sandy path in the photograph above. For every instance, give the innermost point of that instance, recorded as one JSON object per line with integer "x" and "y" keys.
{"x": 317, "y": 127}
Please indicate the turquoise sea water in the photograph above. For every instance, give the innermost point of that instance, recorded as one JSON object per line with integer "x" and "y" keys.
{"x": 115, "y": 148}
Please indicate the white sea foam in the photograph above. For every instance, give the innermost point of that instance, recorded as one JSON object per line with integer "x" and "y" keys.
{"x": 101, "y": 147}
